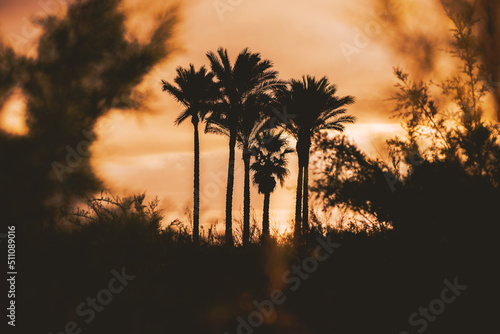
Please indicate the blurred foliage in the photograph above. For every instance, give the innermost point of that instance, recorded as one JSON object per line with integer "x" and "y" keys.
{"x": 441, "y": 181}
{"x": 87, "y": 64}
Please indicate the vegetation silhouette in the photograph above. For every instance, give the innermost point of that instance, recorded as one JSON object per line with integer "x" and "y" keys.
{"x": 249, "y": 125}
{"x": 197, "y": 92}
{"x": 405, "y": 224}
{"x": 270, "y": 152}
{"x": 86, "y": 65}
{"x": 242, "y": 85}
{"x": 313, "y": 106}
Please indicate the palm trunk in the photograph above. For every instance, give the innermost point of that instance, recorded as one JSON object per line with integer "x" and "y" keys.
{"x": 229, "y": 191}
{"x": 305, "y": 197}
{"x": 265, "y": 217}
{"x": 246, "y": 199}
{"x": 298, "y": 203}
{"x": 196, "y": 194}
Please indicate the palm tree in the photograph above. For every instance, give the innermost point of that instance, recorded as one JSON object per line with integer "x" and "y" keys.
{"x": 270, "y": 153}
{"x": 313, "y": 106}
{"x": 249, "y": 124}
{"x": 249, "y": 78}
{"x": 196, "y": 91}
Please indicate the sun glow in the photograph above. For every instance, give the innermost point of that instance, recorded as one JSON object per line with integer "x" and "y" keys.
{"x": 13, "y": 115}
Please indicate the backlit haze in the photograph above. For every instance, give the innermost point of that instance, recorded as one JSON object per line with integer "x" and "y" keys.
{"x": 355, "y": 43}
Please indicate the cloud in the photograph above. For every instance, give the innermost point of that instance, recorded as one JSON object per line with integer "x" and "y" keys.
{"x": 305, "y": 38}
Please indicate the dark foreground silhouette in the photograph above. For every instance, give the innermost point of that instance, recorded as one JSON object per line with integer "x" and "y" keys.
{"x": 122, "y": 274}
{"x": 428, "y": 263}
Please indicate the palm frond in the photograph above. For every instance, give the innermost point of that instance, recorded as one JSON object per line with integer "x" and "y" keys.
{"x": 195, "y": 90}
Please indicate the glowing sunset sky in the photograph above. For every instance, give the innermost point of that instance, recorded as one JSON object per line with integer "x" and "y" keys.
{"x": 147, "y": 153}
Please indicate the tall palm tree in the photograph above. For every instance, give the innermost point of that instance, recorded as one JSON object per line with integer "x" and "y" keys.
{"x": 196, "y": 91}
{"x": 270, "y": 153}
{"x": 313, "y": 106}
{"x": 248, "y": 78}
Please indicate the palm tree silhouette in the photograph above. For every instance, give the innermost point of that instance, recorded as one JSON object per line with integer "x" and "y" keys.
{"x": 250, "y": 123}
{"x": 196, "y": 91}
{"x": 251, "y": 77}
{"x": 270, "y": 153}
{"x": 314, "y": 106}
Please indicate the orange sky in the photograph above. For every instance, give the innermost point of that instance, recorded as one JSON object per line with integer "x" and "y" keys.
{"x": 320, "y": 37}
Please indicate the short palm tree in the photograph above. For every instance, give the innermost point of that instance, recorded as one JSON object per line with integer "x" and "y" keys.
{"x": 196, "y": 91}
{"x": 248, "y": 78}
{"x": 270, "y": 153}
{"x": 312, "y": 106}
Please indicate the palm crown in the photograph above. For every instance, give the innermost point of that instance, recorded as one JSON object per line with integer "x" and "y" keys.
{"x": 195, "y": 90}
{"x": 270, "y": 153}
{"x": 313, "y": 106}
